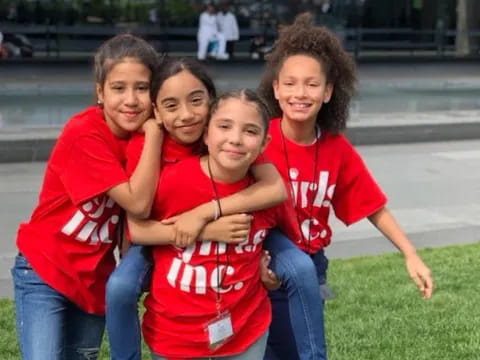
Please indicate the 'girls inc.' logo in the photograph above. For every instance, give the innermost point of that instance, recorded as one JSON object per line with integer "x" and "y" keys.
{"x": 309, "y": 195}
{"x": 95, "y": 222}
{"x": 198, "y": 278}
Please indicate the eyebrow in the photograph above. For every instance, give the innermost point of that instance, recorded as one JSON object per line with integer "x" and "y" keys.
{"x": 194, "y": 92}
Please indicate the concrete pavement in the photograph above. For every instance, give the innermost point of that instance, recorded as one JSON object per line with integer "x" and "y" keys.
{"x": 432, "y": 188}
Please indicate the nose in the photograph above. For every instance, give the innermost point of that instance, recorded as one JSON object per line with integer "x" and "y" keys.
{"x": 131, "y": 97}
{"x": 235, "y": 136}
{"x": 185, "y": 113}
{"x": 300, "y": 91}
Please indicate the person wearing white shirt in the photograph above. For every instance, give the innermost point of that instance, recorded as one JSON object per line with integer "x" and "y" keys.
{"x": 228, "y": 25}
{"x": 208, "y": 32}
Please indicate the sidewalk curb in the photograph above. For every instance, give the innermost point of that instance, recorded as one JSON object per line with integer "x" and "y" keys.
{"x": 27, "y": 149}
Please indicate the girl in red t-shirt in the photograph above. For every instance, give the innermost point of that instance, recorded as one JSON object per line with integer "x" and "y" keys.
{"x": 182, "y": 90}
{"x": 66, "y": 248}
{"x": 309, "y": 81}
{"x": 206, "y": 298}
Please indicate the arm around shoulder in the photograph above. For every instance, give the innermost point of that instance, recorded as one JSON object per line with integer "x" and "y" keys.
{"x": 136, "y": 195}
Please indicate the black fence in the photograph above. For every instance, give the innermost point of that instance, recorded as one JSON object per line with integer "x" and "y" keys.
{"x": 60, "y": 41}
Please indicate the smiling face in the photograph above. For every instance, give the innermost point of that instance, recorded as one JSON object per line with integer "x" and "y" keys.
{"x": 182, "y": 106}
{"x": 235, "y": 137}
{"x": 301, "y": 88}
{"x": 125, "y": 97}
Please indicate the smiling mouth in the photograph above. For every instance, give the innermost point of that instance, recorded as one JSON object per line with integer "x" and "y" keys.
{"x": 234, "y": 154}
{"x": 297, "y": 106}
{"x": 131, "y": 114}
{"x": 189, "y": 126}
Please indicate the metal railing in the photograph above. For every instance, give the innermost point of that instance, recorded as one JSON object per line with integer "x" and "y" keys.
{"x": 61, "y": 40}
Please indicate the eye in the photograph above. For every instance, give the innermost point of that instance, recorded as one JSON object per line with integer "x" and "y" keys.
{"x": 252, "y": 131}
{"x": 170, "y": 106}
{"x": 197, "y": 101}
{"x": 143, "y": 87}
{"x": 223, "y": 125}
{"x": 117, "y": 87}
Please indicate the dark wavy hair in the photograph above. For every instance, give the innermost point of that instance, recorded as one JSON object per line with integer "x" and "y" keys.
{"x": 119, "y": 48}
{"x": 304, "y": 38}
{"x": 170, "y": 66}
{"x": 247, "y": 96}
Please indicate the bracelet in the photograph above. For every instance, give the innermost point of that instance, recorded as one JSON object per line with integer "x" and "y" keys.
{"x": 216, "y": 209}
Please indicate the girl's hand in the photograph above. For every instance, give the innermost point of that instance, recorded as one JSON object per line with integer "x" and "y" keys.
{"x": 231, "y": 229}
{"x": 267, "y": 276}
{"x": 151, "y": 125}
{"x": 187, "y": 227}
{"x": 420, "y": 274}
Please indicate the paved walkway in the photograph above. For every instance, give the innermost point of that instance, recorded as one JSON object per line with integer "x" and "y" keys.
{"x": 432, "y": 186}
{"x": 430, "y": 192}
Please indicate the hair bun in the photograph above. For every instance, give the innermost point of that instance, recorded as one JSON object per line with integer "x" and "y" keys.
{"x": 304, "y": 19}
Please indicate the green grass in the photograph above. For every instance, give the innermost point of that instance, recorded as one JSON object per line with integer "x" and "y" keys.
{"x": 377, "y": 313}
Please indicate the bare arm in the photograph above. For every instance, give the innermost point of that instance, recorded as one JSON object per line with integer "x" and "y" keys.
{"x": 384, "y": 221}
{"x": 186, "y": 228}
{"x": 136, "y": 195}
{"x": 229, "y": 229}
{"x": 150, "y": 232}
{"x": 268, "y": 191}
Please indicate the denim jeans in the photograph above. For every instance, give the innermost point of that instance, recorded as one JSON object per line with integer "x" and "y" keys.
{"x": 297, "y": 329}
{"x": 124, "y": 287}
{"x": 49, "y": 326}
{"x": 253, "y": 352}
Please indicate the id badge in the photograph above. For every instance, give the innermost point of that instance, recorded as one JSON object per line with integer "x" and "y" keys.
{"x": 219, "y": 330}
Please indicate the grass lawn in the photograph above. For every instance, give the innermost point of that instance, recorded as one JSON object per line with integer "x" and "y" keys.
{"x": 377, "y": 313}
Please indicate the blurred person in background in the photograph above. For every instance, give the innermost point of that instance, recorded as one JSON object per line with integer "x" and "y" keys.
{"x": 227, "y": 22}
{"x": 208, "y": 32}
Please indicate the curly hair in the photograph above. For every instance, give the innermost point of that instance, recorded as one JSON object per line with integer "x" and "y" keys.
{"x": 303, "y": 38}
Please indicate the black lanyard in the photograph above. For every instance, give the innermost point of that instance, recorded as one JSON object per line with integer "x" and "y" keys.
{"x": 217, "y": 253}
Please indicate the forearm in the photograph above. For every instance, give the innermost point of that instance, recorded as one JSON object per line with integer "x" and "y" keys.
{"x": 384, "y": 221}
{"x": 268, "y": 191}
{"x": 143, "y": 182}
{"x": 258, "y": 196}
{"x": 150, "y": 232}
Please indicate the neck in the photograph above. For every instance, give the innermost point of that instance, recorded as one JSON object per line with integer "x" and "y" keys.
{"x": 302, "y": 132}
{"x": 221, "y": 174}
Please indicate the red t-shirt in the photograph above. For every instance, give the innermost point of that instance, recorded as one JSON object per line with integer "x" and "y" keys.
{"x": 341, "y": 181}
{"x": 70, "y": 237}
{"x": 172, "y": 152}
{"x": 182, "y": 299}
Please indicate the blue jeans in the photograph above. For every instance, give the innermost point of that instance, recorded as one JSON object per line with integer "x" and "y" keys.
{"x": 253, "y": 352}
{"x": 49, "y": 326}
{"x": 124, "y": 287}
{"x": 297, "y": 329}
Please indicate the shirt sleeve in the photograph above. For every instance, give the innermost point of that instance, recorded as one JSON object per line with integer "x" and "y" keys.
{"x": 356, "y": 195}
{"x": 90, "y": 169}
